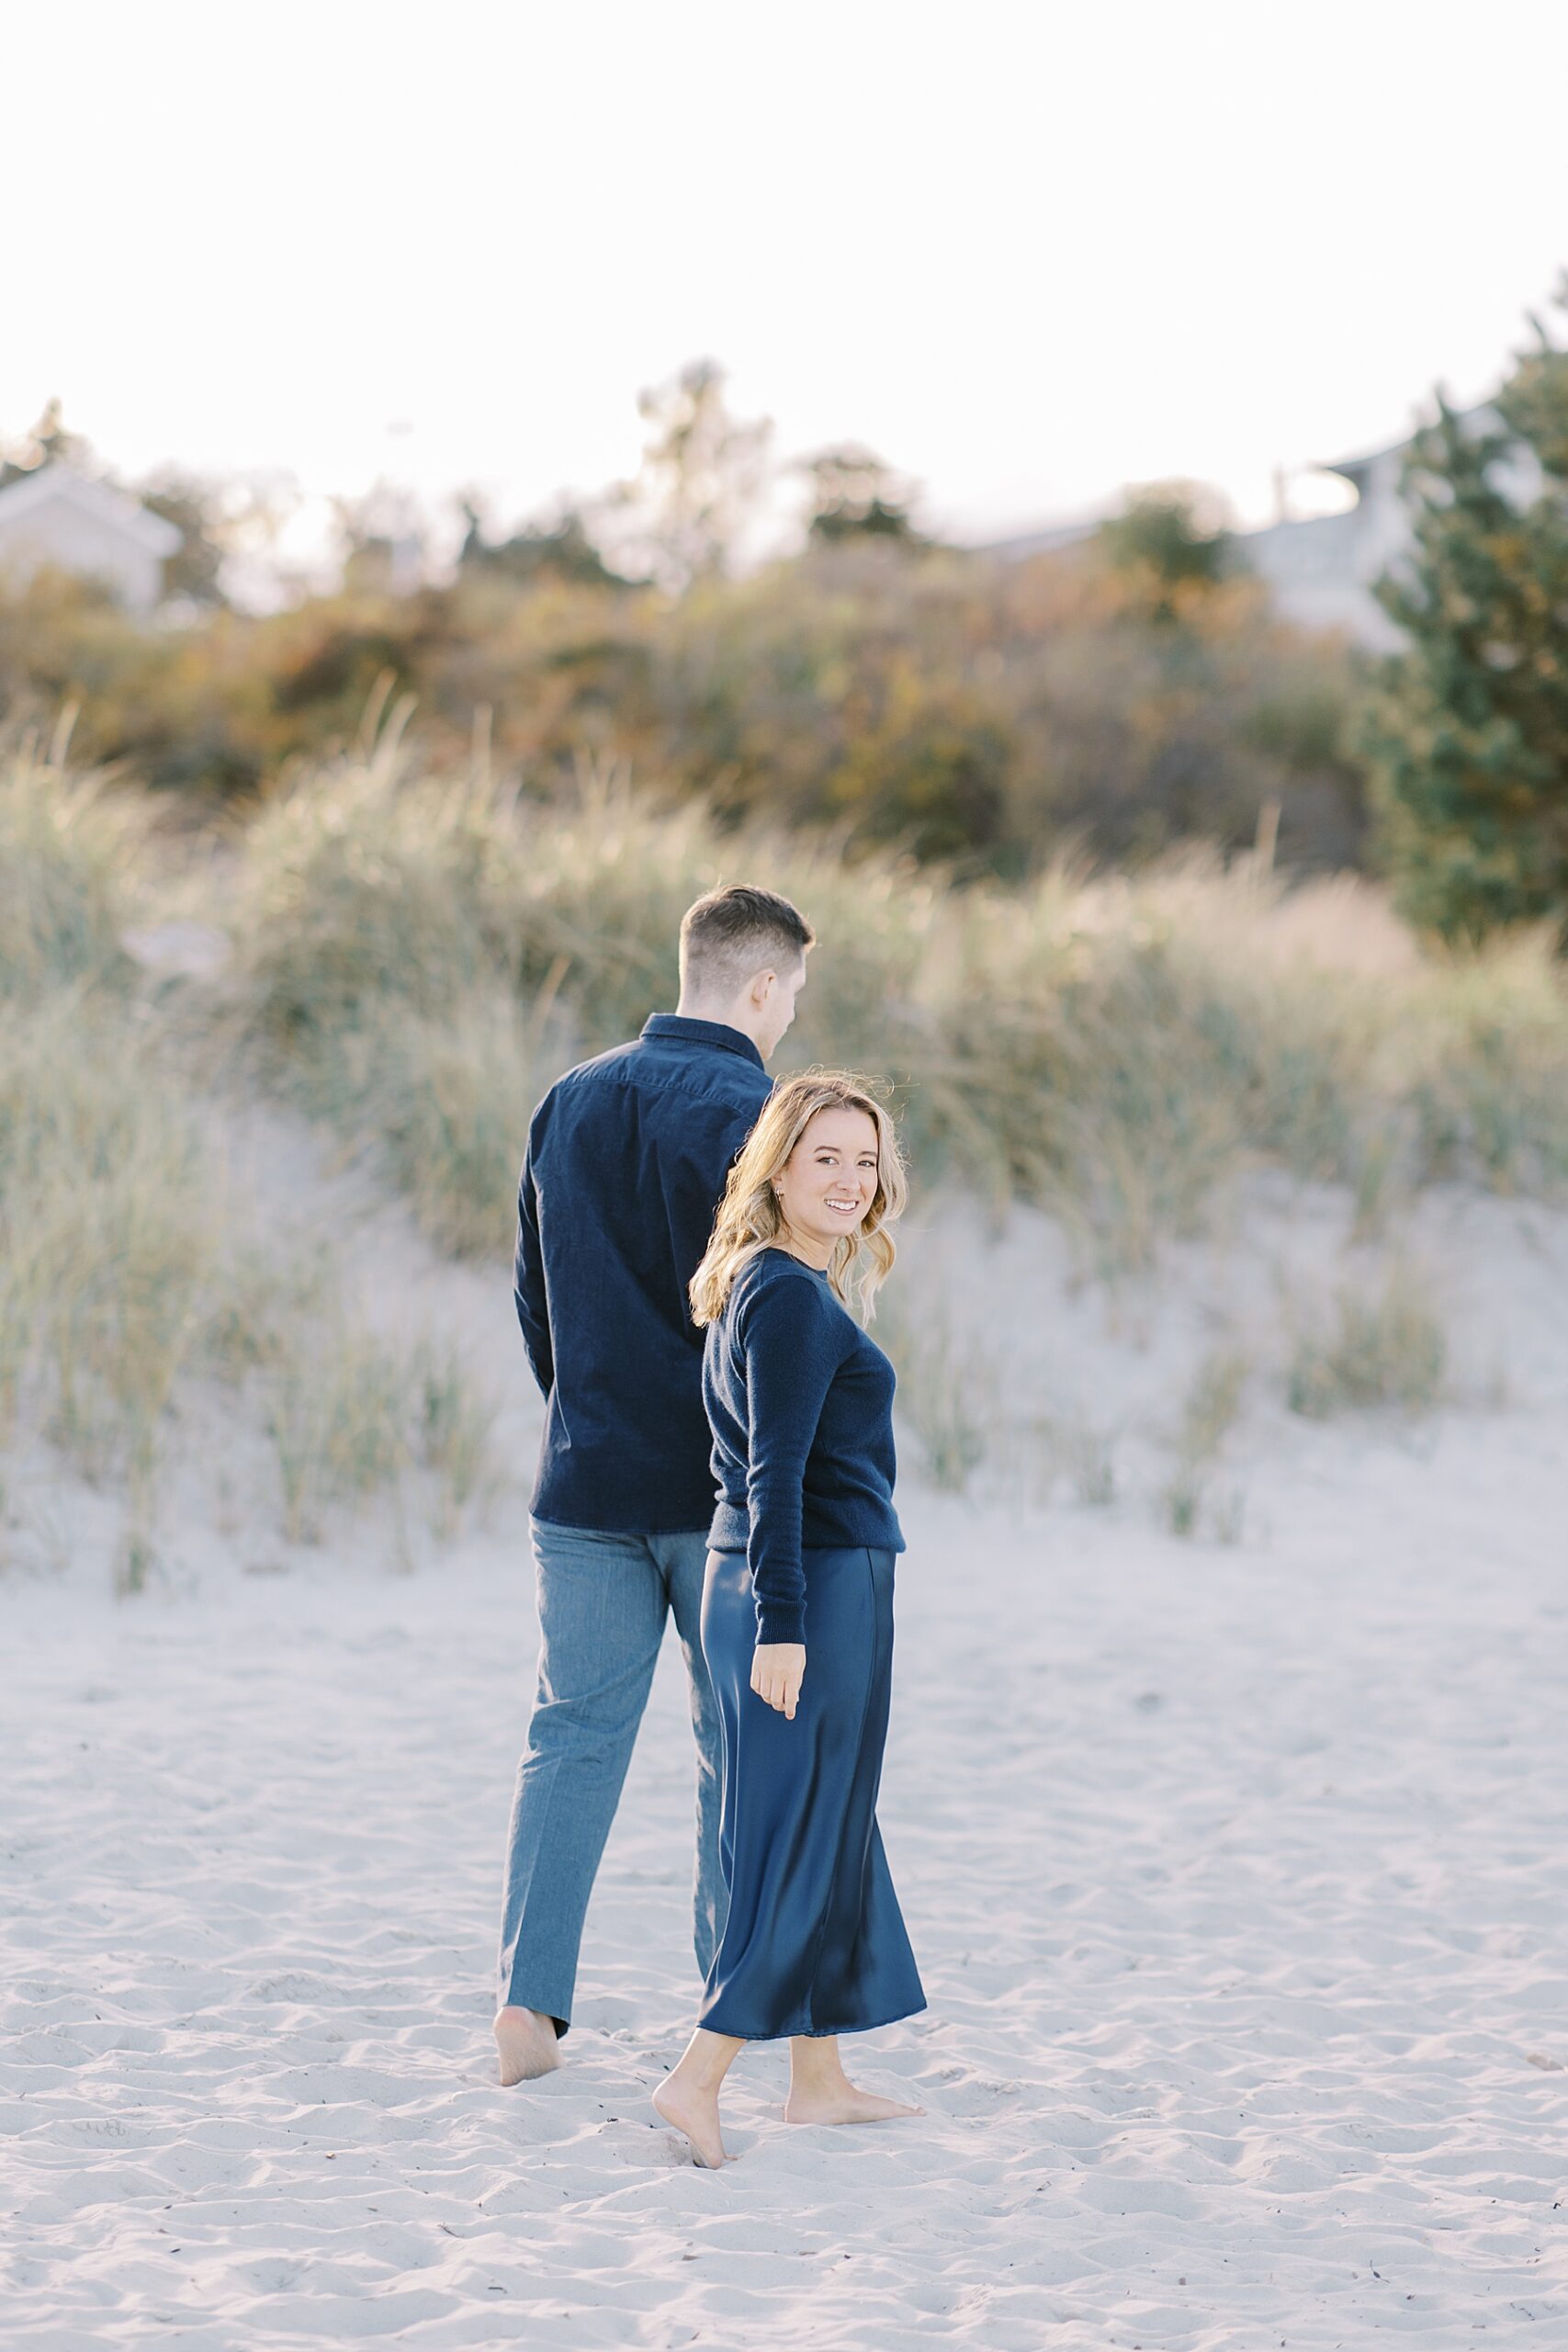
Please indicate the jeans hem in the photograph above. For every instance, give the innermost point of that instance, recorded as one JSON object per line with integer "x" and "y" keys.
{"x": 511, "y": 1999}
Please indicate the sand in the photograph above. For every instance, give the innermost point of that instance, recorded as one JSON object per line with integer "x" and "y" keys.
{"x": 1237, "y": 1875}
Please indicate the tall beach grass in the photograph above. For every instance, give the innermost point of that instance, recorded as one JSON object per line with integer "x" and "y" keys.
{"x": 418, "y": 956}
{"x": 414, "y": 958}
{"x": 124, "y": 1272}
{"x": 70, "y": 847}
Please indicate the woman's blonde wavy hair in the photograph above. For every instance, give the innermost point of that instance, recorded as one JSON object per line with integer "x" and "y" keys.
{"x": 751, "y": 1220}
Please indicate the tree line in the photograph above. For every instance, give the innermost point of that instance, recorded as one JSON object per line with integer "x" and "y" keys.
{"x": 1119, "y": 695}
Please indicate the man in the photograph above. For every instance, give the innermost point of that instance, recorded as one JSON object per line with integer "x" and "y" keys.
{"x": 627, "y": 1155}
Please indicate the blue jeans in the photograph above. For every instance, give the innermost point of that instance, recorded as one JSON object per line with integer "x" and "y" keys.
{"x": 603, "y": 1600}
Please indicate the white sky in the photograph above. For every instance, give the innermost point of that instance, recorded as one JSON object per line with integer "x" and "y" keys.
{"x": 1028, "y": 250}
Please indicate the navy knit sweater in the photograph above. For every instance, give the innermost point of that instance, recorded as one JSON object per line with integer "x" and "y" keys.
{"x": 800, "y": 1402}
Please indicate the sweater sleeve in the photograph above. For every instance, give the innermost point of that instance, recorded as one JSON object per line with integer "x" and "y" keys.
{"x": 792, "y": 1350}
{"x": 528, "y": 1280}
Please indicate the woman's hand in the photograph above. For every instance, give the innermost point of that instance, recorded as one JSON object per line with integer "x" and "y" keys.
{"x": 776, "y": 1671}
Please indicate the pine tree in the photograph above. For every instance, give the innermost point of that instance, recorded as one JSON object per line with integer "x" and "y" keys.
{"x": 1469, "y": 732}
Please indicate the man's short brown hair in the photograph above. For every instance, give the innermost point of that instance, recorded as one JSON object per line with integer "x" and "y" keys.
{"x": 729, "y": 935}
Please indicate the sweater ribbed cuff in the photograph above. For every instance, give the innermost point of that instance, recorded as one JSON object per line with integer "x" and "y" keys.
{"x": 777, "y": 1622}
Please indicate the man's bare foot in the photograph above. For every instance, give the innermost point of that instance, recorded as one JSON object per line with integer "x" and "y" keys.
{"x": 527, "y": 2043}
{"x": 695, "y": 2111}
{"x": 841, "y": 2103}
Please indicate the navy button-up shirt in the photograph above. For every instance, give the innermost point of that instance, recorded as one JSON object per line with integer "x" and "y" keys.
{"x": 627, "y": 1155}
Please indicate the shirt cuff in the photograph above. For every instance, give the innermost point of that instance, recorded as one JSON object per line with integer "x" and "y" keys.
{"x": 781, "y": 1621}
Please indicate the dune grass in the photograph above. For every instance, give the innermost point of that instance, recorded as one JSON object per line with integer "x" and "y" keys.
{"x": 419, "y": 957}
{"x": 69, "y": 845}
{"x": 949, "y": 1391}
{"x": 1088, "y": 1456}
{"x": 109, "y": 1219}
{"x": 106, "y": 1211}
{"x": 120, "y": 1281}
{"x": 415, "y": 957}
{"x": 1213, "y": 1401}
{"x": 441, "y": 1105}
{"x": 1209, "y": 1409}
{"x": 124, "y": 1268}
{"x": 454, "y": 1433}
{"x": 1380, "y": 1344}
{"x": 354, "y": 1414}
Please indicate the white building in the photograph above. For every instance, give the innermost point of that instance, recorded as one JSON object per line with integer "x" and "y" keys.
{"x": 58, "y": 517}
{"x": 1320, "y": 568}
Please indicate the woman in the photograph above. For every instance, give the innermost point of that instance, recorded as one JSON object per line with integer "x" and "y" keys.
{"x": 800, "y": 1566}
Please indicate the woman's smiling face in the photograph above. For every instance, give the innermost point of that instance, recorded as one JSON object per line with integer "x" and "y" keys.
{"x": 829, "y": 1181}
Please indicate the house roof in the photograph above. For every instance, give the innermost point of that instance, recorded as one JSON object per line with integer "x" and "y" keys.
{"x": 1475, "y": 420}
{"x": 49, "y": 484}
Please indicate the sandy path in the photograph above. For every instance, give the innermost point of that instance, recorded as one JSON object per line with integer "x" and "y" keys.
{"x": 1238, "y": 1881}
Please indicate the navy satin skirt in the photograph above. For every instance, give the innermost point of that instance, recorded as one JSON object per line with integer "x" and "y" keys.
{"x": 814, "y": 1940}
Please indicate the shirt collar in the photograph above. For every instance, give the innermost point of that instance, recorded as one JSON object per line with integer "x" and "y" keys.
{"x": 680, "y": 1027}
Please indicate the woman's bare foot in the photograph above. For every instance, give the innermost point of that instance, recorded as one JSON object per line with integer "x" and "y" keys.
{"x": 821, "y": 2091}
{"x": 692, "y": 2110}
{"x": 526, "y": 2040}
{"x": 688, "y": 2097}
{"x": 841, "y": 2103}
